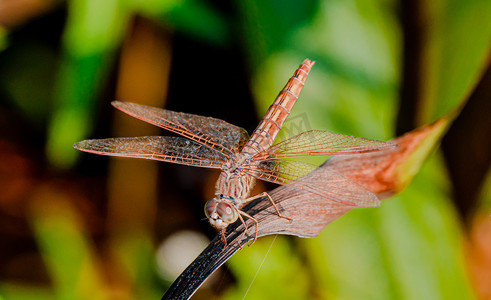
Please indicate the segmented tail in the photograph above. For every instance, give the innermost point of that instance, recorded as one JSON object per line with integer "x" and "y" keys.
{"x": 263, "y": 137}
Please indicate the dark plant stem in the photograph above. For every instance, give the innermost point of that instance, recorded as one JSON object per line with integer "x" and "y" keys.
{"x": 467, "y": 147}
{"x": 410, "y": 90}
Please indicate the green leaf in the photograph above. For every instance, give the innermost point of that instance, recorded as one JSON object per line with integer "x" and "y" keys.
{"x": 93, "y": 31}
{"x": 199, "y": 20}
{"x": 262, "y": 274}
{"x": 411, "y": 247}
{"x": 458, "y": 45}
{"x": 24, "y": 292}
{"x": 3, "y": 38}
{"x": 65, "y": 248}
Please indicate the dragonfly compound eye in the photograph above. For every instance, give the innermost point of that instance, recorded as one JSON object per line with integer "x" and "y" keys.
{"x": 227, "y": 213}
{"x": 210, "y": 209}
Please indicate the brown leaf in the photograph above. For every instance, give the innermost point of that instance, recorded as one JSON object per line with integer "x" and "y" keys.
{"x": 388, "y": 172}
{"x": 384, "y": 173}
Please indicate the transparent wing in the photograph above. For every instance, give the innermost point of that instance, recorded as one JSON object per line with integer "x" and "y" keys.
{"x": 214, "y": 133}
{"x": 335, "y": 187}
{"x": 280, "y": 171}
{"x": 317, "y": 142}
{"x": 164, "y": 148}
{"x": 329, "y": 184}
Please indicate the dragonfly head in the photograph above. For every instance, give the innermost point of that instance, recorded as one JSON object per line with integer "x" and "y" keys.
{"x": 220, "y": 213}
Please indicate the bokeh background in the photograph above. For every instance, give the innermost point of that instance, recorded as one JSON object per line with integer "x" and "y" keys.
{"x": 81, "y": 226}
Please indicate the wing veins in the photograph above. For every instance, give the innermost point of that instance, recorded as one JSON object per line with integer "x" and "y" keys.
{"x": 169, "y": 149}
{"x": 213, "y": 133}
{"x": 321, "y": 143}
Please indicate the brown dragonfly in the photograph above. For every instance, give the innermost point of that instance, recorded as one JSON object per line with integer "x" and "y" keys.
{"x": 214, "y": 143}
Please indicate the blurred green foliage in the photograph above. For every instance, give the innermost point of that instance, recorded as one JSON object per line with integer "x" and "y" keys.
{"x": 458, "y": 46}
{"x": 3, "y": 38}
{"x": 93, "y": 31}
{"x": 68, "y": 255}
{"x": 410, "y": 248}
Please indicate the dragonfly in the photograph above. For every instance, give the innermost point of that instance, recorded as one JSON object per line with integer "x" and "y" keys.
{"x": 213, "y": 143}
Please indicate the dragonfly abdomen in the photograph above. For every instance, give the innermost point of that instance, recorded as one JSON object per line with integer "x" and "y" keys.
{"x": 266, "y": 132}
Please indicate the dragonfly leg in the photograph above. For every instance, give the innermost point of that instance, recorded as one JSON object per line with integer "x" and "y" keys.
{"x": 222, "y": 233}
{"x": 223, "y": 237}
{"x": 272, "y": 202}
{"x": 245, "y": 230}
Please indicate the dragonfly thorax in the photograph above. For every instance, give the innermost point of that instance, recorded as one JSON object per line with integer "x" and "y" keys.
{"x": 234, "y": 182}
{"x": 236, "y": 164}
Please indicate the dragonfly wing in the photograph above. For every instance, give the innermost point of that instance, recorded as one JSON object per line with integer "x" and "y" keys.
{"x": 317, "y": 142}
{"x": 164, "y": 148}
{"x": 329, "y": 184}
{"x": 336, "y": 187}
{"x": 214, "y": 133}
{"x": 280, "y": 171}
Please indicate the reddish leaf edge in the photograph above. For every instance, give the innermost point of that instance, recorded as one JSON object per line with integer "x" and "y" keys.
{"x": 218, "y": 252}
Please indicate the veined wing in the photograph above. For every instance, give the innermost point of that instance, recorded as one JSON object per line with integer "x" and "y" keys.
{"x": 280, "y": 171}
{"x": 317, "y": 142}
{"x": 332, "y": 185}
{"x": 267, "y": 130}
{"x": 213, "y": 133}
{"x": 336, "y": 187}
{"x": 164, "y": 148}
